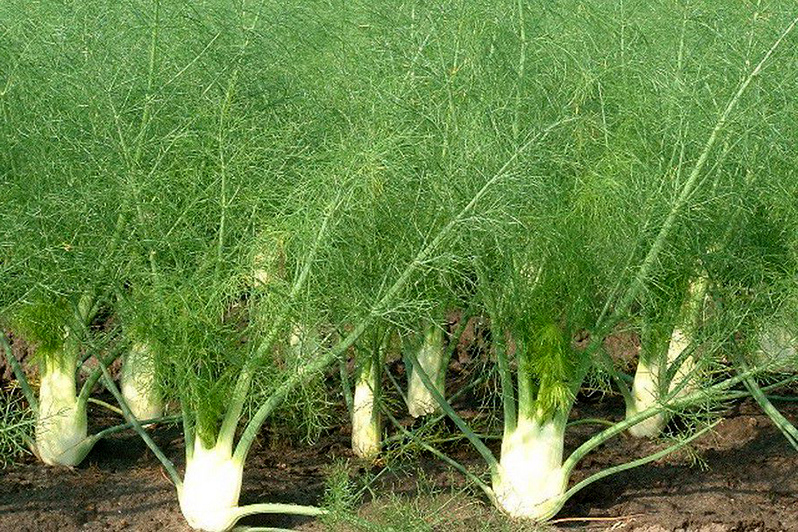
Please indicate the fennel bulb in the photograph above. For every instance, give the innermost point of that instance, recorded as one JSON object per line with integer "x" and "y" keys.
{"x": 138, "y": 384}
{"x": 530, "y": 479}
{"x": 211, "y": 487}
{"x": 432, "y": 358}
{"x": 366, "y": 421}
{"x": 61, "y": 424}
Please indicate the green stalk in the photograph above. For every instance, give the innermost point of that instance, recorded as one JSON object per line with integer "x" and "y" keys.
{"x": 787, "y": 398}
{"x": 629, "y": 465}
{"x": 521, "y": 66}
{"x": 96, "y": 374}
{"x": 188, "y": 428}
{"x": 301, "y": 375}
{"x": 277, "y": 508}
{"x": 168, "y": 465}
{"x": 506, "y": 379}
{"x": 429, "y": 448}
{"x": 260, "y": 529}
{"x": 655, "y": 347}
{"x": 433, "y": 420}
{"x": 527, "y": 390}
{"x": 105, "y": 405}
{"x": 145, "y": 117}
{"x": 621, "y": 426}
{"x": 346, "y": 387}
{"x": 591, "y": 421}
{"x": 782, "y": 423}
{"x": 30, "y": 395}
{"x": 481, "y": 448}
{"x": 471, "y": 385}
{"x": 125, "y": 426}
{"x": 778, "y": 384}
{"x": 239, "y": 396}
{"x": 398, "y": 389}
{"x": 223, "y": 170}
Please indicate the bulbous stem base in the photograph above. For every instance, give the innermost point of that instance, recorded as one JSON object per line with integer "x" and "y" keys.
{"x": 211, "y": 487}
{"x": 366, "y": 426}
{"x": 431, "y": 358}
{"x": 531, "y": 481}
{"x": 61, "y": 424}
{"x": 138, "y": 383}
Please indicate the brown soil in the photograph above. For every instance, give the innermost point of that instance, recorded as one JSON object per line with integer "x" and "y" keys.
{"x": 748, "y": 482}
{"x": 742, "y": 477}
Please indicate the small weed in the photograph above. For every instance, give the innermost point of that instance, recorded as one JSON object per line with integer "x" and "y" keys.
{"x": 16, "y": 425}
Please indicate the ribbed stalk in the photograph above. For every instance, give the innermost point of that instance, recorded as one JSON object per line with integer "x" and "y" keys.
{"x": 138, "y": 382}
{"x": 366, "y": 419}
{"x": 432, "y": 358}
{"x": 684, "y": 333}
{"x": 778, "y": 347}
{"x": 646, "y": 389}
{"x": 657, "y": 363}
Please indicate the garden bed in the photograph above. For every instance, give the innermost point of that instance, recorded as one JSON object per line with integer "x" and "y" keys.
{"x": 741, "y": 478}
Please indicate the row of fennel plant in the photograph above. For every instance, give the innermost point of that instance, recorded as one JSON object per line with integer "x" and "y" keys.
{"x": 246, "y": 193}
{"x": 641, "y": 227}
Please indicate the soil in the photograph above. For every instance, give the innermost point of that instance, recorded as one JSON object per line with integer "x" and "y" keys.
{"x": 743, "y": 478}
